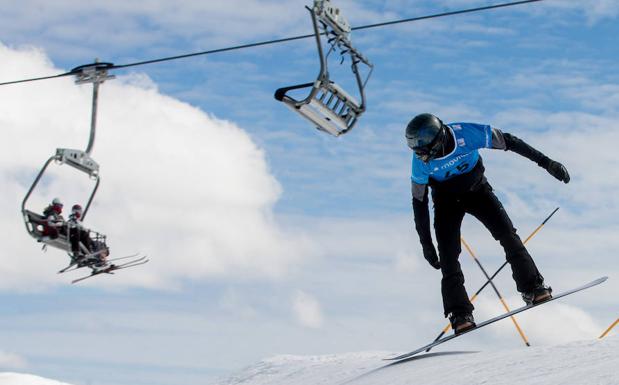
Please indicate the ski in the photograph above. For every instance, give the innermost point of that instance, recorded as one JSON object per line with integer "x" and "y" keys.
{"x": 71, "y": 267}
{"x": 78, "y": 263}
{"x": 495, "y": 319}
{"x": 119, "y": 258}
{"x": 112, "y": 268}
{"x": 75, "y": 265}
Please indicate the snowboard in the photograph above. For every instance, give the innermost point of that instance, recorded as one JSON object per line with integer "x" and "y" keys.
{"x": 495, "y": 319}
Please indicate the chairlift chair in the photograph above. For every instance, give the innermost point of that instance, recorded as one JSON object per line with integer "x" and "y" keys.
{"x": 35, "y": 222}
{"x": 329, "y": 106}
{"x": 95, "y": 73}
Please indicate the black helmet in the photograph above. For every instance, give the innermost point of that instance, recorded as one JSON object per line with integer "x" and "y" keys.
{"x": 425, "y": 135}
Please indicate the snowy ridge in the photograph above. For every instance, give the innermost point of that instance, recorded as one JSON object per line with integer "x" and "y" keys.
{"x": 591, "y": 362}
{"x": 9, "y": 378}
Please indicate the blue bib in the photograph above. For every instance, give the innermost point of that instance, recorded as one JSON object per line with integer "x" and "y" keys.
{"x": 469, "y": 137}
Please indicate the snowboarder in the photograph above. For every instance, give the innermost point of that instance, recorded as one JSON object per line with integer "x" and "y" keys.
{"x": 54, "y": 221}
{"x": 446, "y": 158}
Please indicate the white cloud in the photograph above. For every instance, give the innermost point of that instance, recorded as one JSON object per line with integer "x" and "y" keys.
{"x": 595, "y": 10}
{"x": 362, "y": 238}
{"x": 407, "y": 261}
{"x": 307, "y": 309}
{"x": 12, "y": 361}
{"x": 413, "y": 102}
{"x": 553, "y": 323}
{"x": 153, "y": 27}
{"x": 191, "y": 191}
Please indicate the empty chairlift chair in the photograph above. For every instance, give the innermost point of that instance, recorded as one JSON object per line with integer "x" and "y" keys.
{"x": 329, "y": 106}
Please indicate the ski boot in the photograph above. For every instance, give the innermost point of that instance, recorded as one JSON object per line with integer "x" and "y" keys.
{"x": 539, "y": 294}
{"x": 77, "y": 258}
{"x": 461, "y": 322}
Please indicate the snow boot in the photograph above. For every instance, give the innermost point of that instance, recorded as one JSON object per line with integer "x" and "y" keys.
{"x": 539, "y": 294}
{"x": 461, "y": 322}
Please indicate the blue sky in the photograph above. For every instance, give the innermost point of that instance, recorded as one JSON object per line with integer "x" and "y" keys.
{"x": 266, "y": 236}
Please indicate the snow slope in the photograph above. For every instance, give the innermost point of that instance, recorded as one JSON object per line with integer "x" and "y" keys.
{"x": 578, "y": 363}
{"x": 26, "y": 379}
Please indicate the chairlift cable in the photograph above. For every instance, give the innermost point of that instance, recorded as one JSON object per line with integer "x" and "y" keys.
{"x": 444, "y": 14}
{"x": 35, "y": 79}
{"x": 287, "y": 39}
{"x": 238, "y": 47}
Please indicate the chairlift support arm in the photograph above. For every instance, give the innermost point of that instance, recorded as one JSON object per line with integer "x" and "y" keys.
{"x": 95, "y": 73}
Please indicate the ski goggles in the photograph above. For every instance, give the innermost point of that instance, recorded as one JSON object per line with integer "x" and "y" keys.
{"x": 430, "y": 151}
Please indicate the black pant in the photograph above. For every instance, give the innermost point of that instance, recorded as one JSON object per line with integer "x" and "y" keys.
{"x": 485, "y": 206}
{"x": 77, "y": 236}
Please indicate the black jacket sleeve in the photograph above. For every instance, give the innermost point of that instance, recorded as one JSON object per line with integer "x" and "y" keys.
{"x": 509, "y": 142}
{"x": 422, "y": 214}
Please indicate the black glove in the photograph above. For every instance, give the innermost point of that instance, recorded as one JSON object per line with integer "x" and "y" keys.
{"x": 557, "y": 170}
{"x": 429, "y": 253}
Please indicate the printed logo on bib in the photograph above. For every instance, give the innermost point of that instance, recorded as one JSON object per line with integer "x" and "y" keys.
{"x": 455, "y": 166}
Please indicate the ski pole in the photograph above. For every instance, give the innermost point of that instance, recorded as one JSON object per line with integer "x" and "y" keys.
{"x": 609, "y": 328}
{"x": 497, "y": 272}
{"x": 468, "y": 248}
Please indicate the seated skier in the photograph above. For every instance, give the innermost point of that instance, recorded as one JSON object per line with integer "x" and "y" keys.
{"x": 446, "y": 158}
{"x": 78, "y": 235}
{"x": 54, "y": 222}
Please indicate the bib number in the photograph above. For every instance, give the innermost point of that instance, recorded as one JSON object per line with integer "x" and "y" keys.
{"x": 461, "y": 167}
